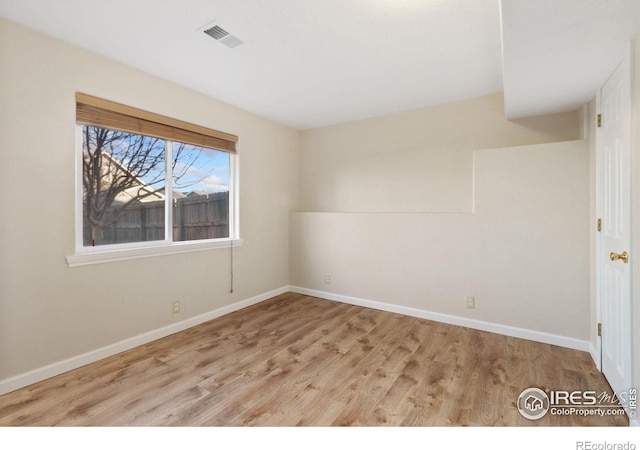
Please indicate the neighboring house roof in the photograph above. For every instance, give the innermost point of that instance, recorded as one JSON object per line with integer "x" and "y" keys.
{"x": 141, "y": 191}
{"x": 196, "y": 192}
{"x": 143, "y": 194}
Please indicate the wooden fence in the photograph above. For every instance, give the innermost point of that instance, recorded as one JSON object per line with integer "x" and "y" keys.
{"x": 194, "y": 217}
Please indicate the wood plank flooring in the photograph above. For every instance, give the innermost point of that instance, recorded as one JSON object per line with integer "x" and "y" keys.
{"x": 298, "y": 360}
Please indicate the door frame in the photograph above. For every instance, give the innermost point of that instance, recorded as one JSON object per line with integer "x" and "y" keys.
{"x": 634, "y": 219}
{"x": 598, "y": 247}
{"x": 634, "y": 55}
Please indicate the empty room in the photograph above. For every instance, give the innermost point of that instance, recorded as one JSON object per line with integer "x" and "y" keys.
{"x": 364, "y": 213}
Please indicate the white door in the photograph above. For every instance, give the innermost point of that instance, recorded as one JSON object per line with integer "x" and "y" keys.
{"x": 614, "y": 259}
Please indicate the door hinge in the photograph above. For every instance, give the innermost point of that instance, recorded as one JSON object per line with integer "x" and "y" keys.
{"x": 599, "y": 224}
{"x": 599, "y": 120}
{"x": 599, "y": 329}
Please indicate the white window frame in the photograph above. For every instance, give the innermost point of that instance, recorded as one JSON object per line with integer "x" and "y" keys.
{"x": 133, "y": 250}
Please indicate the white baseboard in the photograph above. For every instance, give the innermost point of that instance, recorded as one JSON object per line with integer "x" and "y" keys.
{"x": 57, "y": 368}
{"x": 506, "y": 330}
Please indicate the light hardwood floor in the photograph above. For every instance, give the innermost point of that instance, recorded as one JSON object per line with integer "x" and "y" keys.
{"x": 298, "y": 360}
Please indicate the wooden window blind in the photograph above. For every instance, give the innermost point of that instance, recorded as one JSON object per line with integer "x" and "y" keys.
{"x": 97, "y": 112}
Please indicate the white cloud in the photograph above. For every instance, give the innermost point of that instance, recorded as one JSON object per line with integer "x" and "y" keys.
{"x": 200, "y": 178}
{"x": 213, "y": 184}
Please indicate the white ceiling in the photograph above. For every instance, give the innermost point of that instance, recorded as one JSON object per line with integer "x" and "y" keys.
{"x": 309, "y": 63}
{"x": 557, "y": 53}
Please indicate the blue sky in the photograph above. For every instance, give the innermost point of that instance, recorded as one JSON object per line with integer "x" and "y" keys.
{"x": 198, "y": 169}
{"x": 208, "y": 170}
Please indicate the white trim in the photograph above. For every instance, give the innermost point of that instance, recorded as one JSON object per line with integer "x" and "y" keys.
{"x": 635, "y": 237}
{"x": 234, "y": 189}
{"x": 595, "y": 356}
{"x": 532, "y": 335}
{"x": 57, "y": 368}
{"x": 79, "y": 189}
{"x": 598, "y": 244}
{"x": 168, "y": 196}
{"x": 133, "y": 250}
{"x": 86, "y": 259}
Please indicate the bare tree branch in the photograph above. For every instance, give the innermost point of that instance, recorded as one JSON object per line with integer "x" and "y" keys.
{"x": 115, "y": 162}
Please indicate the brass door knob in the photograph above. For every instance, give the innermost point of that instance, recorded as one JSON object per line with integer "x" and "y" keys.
{"x": 616, "y": 256}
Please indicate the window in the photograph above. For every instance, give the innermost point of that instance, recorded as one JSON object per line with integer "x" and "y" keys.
{"x": 148, "y": 184}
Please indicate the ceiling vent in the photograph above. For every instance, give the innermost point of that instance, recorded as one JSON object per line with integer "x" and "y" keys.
{"x": 223, "y": 36}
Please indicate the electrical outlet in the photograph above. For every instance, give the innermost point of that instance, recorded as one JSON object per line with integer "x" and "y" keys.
{"x": 471, "y": 302}
{"x": 176, "y": 307}
{"x": 327, "y": 279}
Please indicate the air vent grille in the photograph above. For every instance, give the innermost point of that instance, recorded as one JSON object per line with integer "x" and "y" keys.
{"x": 216, "y": 32}
{"x": 223, "y": 36}
{"x": 231, "y": 41}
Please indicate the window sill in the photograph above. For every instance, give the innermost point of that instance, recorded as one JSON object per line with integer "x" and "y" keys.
{"x": 90, "y": 258}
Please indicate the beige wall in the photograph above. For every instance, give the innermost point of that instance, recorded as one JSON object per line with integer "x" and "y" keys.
{"x": 511, "y": 229}
{"x": 416, "y": 161}
{"x": 49, "y": 312}
{"x": 524, "y": 253}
